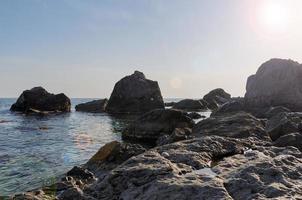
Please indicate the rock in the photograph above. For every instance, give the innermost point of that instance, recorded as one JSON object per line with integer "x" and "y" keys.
{"x": 275, "y": 111}
{"x": 72, "y": 194}
{"x": 111, "y": 155}
{"x": 216, "y": 98}
{"x": 169, "y": 104}
{"x": 278, "y": 82}
{"x": 135, "y": 94}
{"x": 190, "y": 105}
{"x": 149, "y": 127}
{"x": 177, "y": 135}
{"x": 38, "y": 99}
{"x": 236, "y": 125}
{"x": 194, "y": 115}
{"x": 283, "y": 124}
{"x": 292, "y": 139}
{"x": 80, "y": 173}
{"x": 96, "y": 106}
{"x": 230, "y": 107}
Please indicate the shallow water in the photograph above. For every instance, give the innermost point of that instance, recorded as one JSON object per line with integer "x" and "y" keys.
{"x": 35, "y": 150}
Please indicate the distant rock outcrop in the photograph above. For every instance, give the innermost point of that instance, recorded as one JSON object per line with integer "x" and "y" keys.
{"x": 96, "y": 106}
{"x": 278, "y": 82}
{"x": 216, "y": 97}
{"x": 135, "y": 94}
{"x": 189, "y": 105}
{"x": 39, "y": 100}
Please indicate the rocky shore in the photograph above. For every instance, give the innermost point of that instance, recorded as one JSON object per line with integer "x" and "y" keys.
{"x": 250, "y": 147}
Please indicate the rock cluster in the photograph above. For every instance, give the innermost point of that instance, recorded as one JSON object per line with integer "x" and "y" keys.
{"x": 39, "y": 100}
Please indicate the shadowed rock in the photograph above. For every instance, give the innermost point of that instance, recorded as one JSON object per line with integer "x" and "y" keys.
{"x": 190, "y": 105}
{"x": 96, "y": 106}
{"x": 135, "y": 94}
{"x": 278, "y": 82}
{"x": 216, "y": 98}
{"x": 39, "y": 100}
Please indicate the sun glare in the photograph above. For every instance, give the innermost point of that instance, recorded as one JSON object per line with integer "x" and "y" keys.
{"x": 274, "y": 16}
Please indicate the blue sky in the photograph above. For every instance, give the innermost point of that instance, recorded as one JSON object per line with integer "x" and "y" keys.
{"x": 82, "y": 47}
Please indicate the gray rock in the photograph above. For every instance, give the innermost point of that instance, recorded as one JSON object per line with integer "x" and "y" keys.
{"x": 216, "y": 98}
{"x": 277, "y": 82}
{"x": 283, "y": 124}
{"x": 39, "y": 100}
{"x": 80, "y": 173}
{"x": 154, "y": 124}
{"x": 135, "y": 94}
{"x": 96, "y": 106}
{"x": 72, "y": 194}
{"x": 190, "y": 105}
{"x": 292, "y": 139}
{"x": 195, "y": 115}
{"x": 236, "y": 125}
{"x": 177, "y": 135}
{"x": 273, "y": 111}
{"x": 230, "y": 107}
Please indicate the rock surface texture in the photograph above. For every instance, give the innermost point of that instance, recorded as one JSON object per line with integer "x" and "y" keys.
{"x": 216, "y": 98}
{"x": 154, "y": 124}
{"x": 135, "y": 94}
{"x": 190, "y": 105}
{"x": 39, "y": 100}
{"x": 277, "y": 82}
{"x": 96, "y": 106}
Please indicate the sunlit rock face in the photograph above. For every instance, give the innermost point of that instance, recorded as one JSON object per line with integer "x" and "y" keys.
{"x": 135, "y": 94}
{"x": 277, "y": 82}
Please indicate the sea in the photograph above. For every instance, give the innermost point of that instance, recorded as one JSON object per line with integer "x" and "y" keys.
{"x": 36, "y": 150}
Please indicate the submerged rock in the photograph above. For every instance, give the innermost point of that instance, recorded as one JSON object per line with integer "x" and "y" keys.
{"x": 135, "y": 94}
{"x": 156, "y": 123}
{"x": 216, "y": 98}
{"x": 236, "y": 125}
{"x": 96, "y": 106}
{"x": 277, "y": 82}
{"x": 39, "y": 100}
{"x": 190, "y": 105}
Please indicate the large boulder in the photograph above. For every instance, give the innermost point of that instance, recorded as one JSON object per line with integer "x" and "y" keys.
{"x": 235, "y": 125}
{"x": 96, "y": 106}
{"x": 190, "y": 105}
{"x": 38, "y": 99}
{"x": 292, "y": 139}
{"x": 277, "y": 82}
{"x": 156, "y": 123}
{"x": 135, "y": 94}
{"x": 216, "y": 98}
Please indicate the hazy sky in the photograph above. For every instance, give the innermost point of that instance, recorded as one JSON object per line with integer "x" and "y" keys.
{"x": 82, "y": 47}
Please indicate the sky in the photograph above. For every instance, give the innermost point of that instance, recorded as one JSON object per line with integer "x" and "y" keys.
{"x": 83, "y": 47}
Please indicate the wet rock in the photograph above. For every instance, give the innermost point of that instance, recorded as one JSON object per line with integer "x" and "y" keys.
{"x": 283, "y": 124}
{"x": 278, "y": 82}
{"x": 80, "y": 173}
{"x": 195, "y": 115}
{"x": 154, "y": 124}
{"x": 39, "y": 100}
{"x": 190, "y": 105}
{"x": 292, "y": 139}
{"x": 216, "y": 98}
{"x": 111, "y": 155}
{"x": 96, "y": 106}
{"x": 236, "y": 125}
{"x": 135, "y": 94}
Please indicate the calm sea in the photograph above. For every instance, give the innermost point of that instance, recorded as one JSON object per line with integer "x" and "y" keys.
{"x": 35, "y": 150}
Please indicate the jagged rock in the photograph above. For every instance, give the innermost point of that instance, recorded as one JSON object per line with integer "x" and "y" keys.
{"x": 237, "y": 125}
{"x": 72, "y": 194}
{"x": 156, "y": 123}
{"x": 292, "y": 139}
{"x": 273, "y": 111}
{"x": 39, "y": 100}
{"x": 216, "y": 98}
{"x": 96, "y": 106}
{"x": 283, "y": 124}
{"x": 111, "y": 155}
{"x": 278, "y": 82}
{"x": 194, "y": 115}
{"x": 230, "y": 107}
{"x": 177, "y": 135}
{"x": 169, "y": 104}
{"x": 135, "y": 94}
{"x": 189, "y": 105}
{"x": 80, "y": 173}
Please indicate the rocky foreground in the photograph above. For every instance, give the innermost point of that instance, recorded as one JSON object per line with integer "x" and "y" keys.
{"x": 250, "y": 148}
